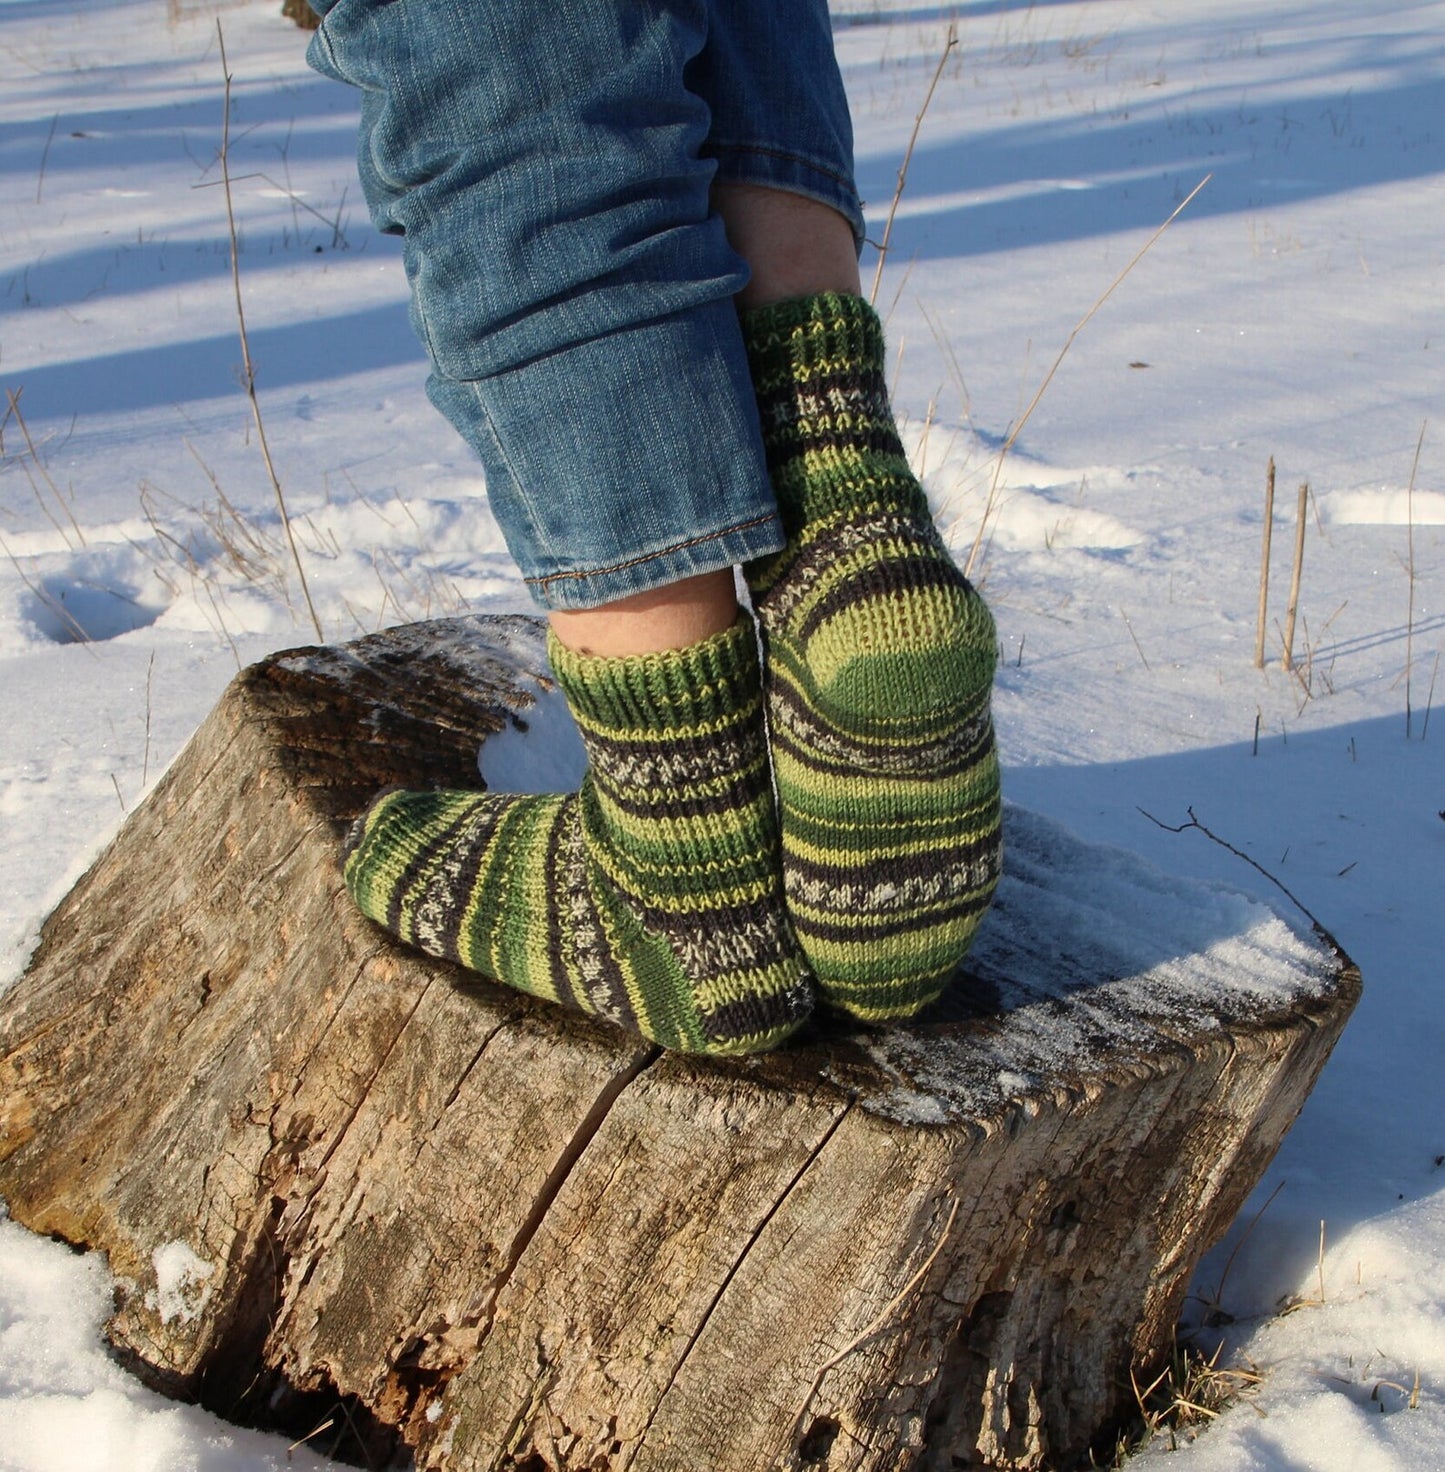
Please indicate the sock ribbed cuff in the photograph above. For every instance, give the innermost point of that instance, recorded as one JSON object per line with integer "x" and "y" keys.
{"x": 831, "y": 438}
{"x": 808, "y": 337}
{"x": 698, "y": 686}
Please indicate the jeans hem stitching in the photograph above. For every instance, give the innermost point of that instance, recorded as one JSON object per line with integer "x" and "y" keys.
{"x": 597, "y": 572}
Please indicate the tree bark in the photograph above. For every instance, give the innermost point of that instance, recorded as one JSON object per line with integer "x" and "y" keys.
{"x": 333, "y": 1176}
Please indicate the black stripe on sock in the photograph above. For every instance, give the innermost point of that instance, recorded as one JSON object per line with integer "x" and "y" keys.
{"x": 758, "y": 1016}
{"x": 402, "y": 897}
{"x": 912, "y": 573}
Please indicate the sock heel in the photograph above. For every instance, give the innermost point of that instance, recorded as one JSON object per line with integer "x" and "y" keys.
{"x": 913, "y": 670}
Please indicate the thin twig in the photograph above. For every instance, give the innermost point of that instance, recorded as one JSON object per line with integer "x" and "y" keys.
{"x": 1008, "y": 444}
{"x": 326, "y": 1425}
{"x": 949, "y": 43}
{"x": 1430, "y": 697}
{"x": 47, "y": 600}
{"x": 332, "y": 223}
{"x": 221, "y": 622}
{"x": 1137, "y": 645}
{"x": 946, "y": 348}
{"x": 248, "y": 369}
{"x": 13, "y": 400}
{"x": 927, "y": 430}
{"x": 1238, "y": 854}
{"x": 1305, "y": 677}
{"x": 145, "y": 766}
{"x": 44, "y": 157}
{"x": 1242, "y": 1239}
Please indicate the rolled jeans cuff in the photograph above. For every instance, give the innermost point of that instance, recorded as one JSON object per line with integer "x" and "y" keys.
{"x": 772, "y": 168}
{"x": 625, "y": 462}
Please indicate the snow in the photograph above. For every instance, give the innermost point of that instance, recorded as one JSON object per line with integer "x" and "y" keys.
{"x": 68, "y": 1407}
{"x": 182, "y": 1290}
{"x": 1294, "y": 310}
{"x": 1139, "y": 953}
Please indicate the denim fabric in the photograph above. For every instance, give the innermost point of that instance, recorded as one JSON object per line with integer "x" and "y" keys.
{"x": 549, "y": 164}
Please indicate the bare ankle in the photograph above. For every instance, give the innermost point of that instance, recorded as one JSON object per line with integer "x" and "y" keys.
{"x": 794, "y": 246}
{"x": 661, "y": 619}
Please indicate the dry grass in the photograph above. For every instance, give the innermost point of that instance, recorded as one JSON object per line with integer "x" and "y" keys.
{"x": 1296, "y": 570}
{"x": 1189, "y": 1392}
{"x": 983, "y": 537}
{"x": 950, "y": 41}
{"x": 1410, "y": 581}
{"x": 248, "y": 368}
{"x": 1265, "y": 540}
{"x": 32, "y": 464}
{"x": 54, "y": 606}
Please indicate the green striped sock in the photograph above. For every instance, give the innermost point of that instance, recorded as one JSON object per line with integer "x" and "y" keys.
{"x": 651, "y": 896}
{"x": 880, "y": 660}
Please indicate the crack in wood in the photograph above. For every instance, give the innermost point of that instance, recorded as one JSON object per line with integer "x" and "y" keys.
{"x": 355, "y": 1107}
{"x": 571, "y": 1153}
{"x": 740, "y": 1258}
{"x": 466, "y": 1072}
{"x": 582, "y": 1136}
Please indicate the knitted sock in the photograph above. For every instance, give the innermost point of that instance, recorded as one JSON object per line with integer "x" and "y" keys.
{"x": 651, "y": 896}
{"x": 880, "y": 658}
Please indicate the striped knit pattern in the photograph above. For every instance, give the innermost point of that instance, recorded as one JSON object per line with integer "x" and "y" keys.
{"x": 651, "y": 896}
{"x": 880, "y": 664}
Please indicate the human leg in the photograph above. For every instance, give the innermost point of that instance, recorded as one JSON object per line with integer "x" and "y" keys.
{"x": 879, "y": 653}
{"x": 670, "y": 617}
{"x": 650, "y": 895}
{"x": 574, "y": 294}
{"x": 542, "y": 162}
{"x": 795, "y": 246}
{"x": 880, "y": 662}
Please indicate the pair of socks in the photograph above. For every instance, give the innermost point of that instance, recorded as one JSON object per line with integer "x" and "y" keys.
{"x": 689, "y": 890}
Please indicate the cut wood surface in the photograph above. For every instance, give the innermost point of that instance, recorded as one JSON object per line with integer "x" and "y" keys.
{"x": 335, "y": 1178}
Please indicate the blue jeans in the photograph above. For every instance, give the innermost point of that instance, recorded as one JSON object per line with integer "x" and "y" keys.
{"x": 549, "y": 164}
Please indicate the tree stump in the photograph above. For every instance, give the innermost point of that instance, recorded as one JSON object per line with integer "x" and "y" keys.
{"x": 333, "y": 1176}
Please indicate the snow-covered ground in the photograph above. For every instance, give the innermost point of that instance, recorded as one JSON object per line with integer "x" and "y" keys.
{"x": 1294, "y": 310}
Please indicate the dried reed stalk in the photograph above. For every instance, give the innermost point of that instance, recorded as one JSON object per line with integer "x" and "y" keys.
{"x": 1410, "y": 577}
{"x": 248, "y": 370}
{"x": 1294, "y": 577}
{"x": 990, "y": 506}
{"x": 950, "y": 41}
{"x": 1263, "y": 614}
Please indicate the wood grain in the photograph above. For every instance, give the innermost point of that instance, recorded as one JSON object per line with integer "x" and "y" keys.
{"x": 502, "y": 1236}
